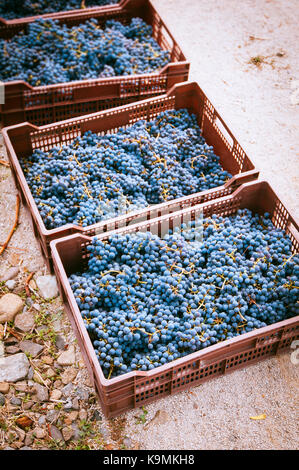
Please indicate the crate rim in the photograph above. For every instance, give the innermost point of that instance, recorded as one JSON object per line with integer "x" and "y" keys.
{"x": 89, "y": 81}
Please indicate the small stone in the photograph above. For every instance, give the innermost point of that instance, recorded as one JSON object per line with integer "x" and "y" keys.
{"x": 82, "y": 415}
{"x": 81, "y": 393}
{"x": 2, "y": 349}
{"x": 36, "y": 306}
{"x": 21, "y": 386}
{"x": 57, "y": 384}
{"x": 40, "y": 433}
{"x": 50, "y": 373}
{"x": 42, "y": 420}
{"x": 58, "y": 366}
{"x": 96, "y": 416}
{"x": 28, "y": 439}
{"x": 2, "y": 399}
{"x": 56, "y": 434}
{"x": 30, "y": 347}
{"x": 68, "y": 404}
{"x": 29, "y": 302}
{"x": 60, "y": 342}
{"x": 73, "y": 415}
{"x": 67, "y": 358}
{"x": 24, "y": 322}
{"x": 69, "y": 375}
{"x": 28, "y": 404}
{"x": 104, "y": 431}
{"x": 88, "y": 382}
{"x": 8, "y": 448}
{"x": 55, "y": 395}
{"x": 47, "y": 286}
{"x": 24, "y": 422}
{"x": 11, "y": 284}
{"x": 10, "y": 274}
{"x": 52, "y": 416}
{"x": 21, "y": 434}
{"x": 47, "y": 360}
{"x": 56, "y": 325}
{"x": 15, "y": 401}
{"x": 11, "y": 340}
{"x": 127, "y": 442}
{"x": 25, "y": 448}
{"x": 10, "y": 305}
{"x": 42, "y": 393}
{"x": 67, "y": 390}
{"x": 4, "y": 387}
{"x": 30, "y": 373}
{"x": 14, "y": 368}
{"x": 12, "y": 349}
{"x": 76, "y": 405}
{"x": 76, "y": 431}
{"x": 67, "y": 433}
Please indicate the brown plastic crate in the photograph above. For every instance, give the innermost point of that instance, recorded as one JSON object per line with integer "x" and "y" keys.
{"x": 138, "y": 388}
{"x": 50, "y": 103}
{"x": 22, "y": 139}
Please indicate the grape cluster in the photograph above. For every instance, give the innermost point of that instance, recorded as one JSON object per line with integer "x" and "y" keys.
{"x": 21, "y": 8}
{"x": 147, "y": 300}
{"x": 99, "y": 177}
{"x": 50, "y": 53}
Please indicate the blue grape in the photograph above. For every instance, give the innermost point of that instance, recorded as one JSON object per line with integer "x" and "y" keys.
{"x": 49, "y": 52}
{"x": 99, "y": 177}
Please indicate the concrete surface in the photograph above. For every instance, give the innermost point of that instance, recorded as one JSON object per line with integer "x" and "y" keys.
{"x": 260, "y": 105}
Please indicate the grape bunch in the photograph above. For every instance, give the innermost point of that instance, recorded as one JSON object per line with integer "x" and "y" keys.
{"x": 21, "y": 8}
{"x": 99, "y": 177}
{"x": 146, "y": 301}
{"x": 49, "y": 52}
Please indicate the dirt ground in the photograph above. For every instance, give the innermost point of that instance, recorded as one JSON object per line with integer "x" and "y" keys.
{"x": 245, "y": 57}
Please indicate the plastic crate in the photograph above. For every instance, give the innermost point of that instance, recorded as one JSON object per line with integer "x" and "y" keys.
{"x": 45, "y": 104}
{"x": 138, "y": 388}
{"x": 22, "y": 139}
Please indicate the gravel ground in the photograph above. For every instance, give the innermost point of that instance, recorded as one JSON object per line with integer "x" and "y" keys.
{"x": 260, "y": 105}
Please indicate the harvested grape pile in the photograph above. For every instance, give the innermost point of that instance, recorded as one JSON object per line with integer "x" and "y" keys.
{"x": 50, "y": 53}
{"x": 99, "y": 177}
{"x": 146, "y": 301}
{"x": 19, "y": 8}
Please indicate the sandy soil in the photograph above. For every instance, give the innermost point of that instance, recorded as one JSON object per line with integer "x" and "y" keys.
{"x": 260, "y": 104}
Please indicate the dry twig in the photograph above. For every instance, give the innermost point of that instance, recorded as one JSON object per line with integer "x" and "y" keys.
{"x": 14, "y": 226}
